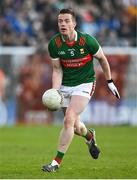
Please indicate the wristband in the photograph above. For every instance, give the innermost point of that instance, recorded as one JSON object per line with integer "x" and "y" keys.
{"x": 109, "y": 81}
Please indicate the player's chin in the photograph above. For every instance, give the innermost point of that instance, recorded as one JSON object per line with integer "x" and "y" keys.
{"x": 64, "y": 32}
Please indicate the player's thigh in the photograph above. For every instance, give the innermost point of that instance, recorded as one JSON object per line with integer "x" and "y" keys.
{"x": 78, "y": 104}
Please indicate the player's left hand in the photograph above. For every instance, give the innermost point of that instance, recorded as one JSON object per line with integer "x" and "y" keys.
{"x": 113, "y": 88}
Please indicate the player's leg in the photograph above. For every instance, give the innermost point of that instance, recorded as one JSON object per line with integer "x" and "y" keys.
{"x": 73, "y": 124}
{"x": 76, "y": 106}
{"x": 79, "y": 127}
{"x": 81, "y": 130}
{"x": 89, "y": 135}
{"x": 85, "y": 90}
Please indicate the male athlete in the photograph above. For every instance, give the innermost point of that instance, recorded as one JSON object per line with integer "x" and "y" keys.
{"x": 72, "y": 54}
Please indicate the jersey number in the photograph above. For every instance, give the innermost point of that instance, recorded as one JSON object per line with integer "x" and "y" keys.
{"x": 72, "y": 53}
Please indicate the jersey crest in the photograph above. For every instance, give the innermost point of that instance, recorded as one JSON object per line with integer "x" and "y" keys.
{"x": 58, "y": 42}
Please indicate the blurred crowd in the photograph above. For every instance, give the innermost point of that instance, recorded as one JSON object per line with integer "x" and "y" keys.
{"x": 34, "y": 80}
{"x": 33, "y": 23}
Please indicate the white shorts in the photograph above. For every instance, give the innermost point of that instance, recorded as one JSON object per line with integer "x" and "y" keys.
{"x": 85, "y": 89}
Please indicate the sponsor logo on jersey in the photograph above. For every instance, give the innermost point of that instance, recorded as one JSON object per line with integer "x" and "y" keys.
{"x": 81, "y": 51}
{"x": 79, "y": 62}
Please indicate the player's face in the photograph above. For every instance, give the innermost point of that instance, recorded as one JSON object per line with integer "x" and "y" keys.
{"x": 66, "y": 24}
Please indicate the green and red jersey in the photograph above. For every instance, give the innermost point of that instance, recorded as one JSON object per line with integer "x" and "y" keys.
{"x": 75, "y": 57}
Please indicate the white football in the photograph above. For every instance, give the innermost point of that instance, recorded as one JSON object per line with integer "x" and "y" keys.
{"x": 52, "y": 99}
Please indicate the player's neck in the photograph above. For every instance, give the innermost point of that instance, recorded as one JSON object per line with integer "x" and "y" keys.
{"x": 70, "y": 37}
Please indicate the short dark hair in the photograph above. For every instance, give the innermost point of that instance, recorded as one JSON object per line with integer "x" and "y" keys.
{"x": 68, "y": 11}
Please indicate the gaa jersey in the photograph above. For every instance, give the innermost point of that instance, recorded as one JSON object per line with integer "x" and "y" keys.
{"x": 76, "y": 57}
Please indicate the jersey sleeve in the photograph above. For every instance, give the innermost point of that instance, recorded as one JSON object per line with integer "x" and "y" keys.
{"x": 93, "y": 45}
{"x": 52, "y": 50}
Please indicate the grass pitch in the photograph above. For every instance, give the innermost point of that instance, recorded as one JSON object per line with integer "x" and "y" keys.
{"x": 23, "y": 150}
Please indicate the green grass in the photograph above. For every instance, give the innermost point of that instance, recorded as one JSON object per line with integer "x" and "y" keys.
{"x": 23, "y": 150}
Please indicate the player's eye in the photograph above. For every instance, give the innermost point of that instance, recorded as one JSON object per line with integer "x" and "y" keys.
{"x": 60, "y": 21}
{"x": 67, "y": 21}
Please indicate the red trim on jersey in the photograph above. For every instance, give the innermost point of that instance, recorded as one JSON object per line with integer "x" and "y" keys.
{"x": 93, "y": 88}
{"x": 76, "y": 62}
{"x": 58, "y": 41}
{"x": 82, "y": 41}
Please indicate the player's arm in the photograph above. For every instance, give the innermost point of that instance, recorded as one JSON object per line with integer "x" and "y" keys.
{"x": 106, "y": 69}
{"x": 104, "y": 63}
{"x": 57, "y": 74}
{"x": 57, "y": 69}
{"x": 95, "y": 49}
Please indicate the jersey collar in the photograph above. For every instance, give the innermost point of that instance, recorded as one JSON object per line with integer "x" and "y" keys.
{"x": 76, "y": 37}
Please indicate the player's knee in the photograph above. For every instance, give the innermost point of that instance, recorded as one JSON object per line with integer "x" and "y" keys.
{"x": 69, "y": 120}
{"x": 77, "y": 127}
{"x": 77, "y": 131}
{"x": 80, "y": 128}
